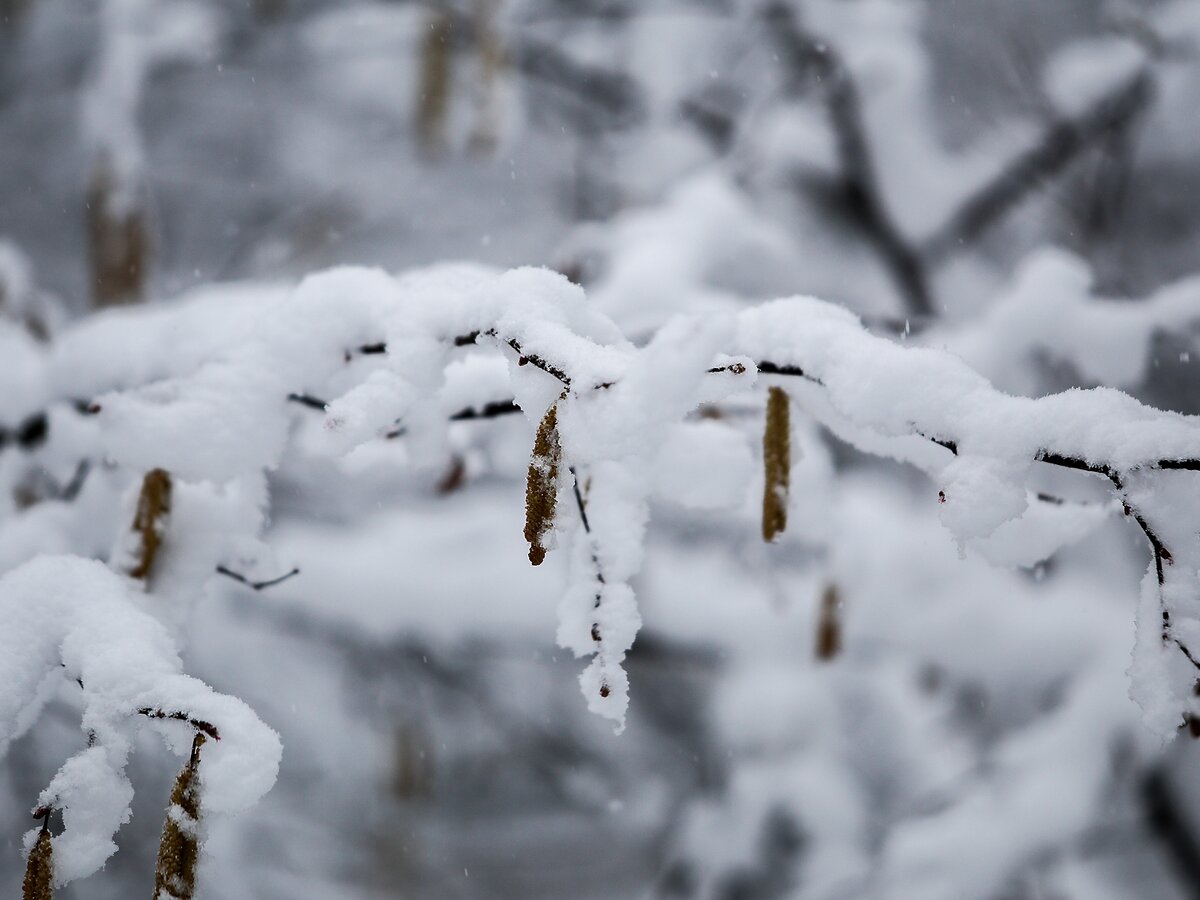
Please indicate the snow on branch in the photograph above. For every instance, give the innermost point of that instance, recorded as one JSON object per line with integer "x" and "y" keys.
{"x": 407, "y": 356}
{"x": 74, "y": 624}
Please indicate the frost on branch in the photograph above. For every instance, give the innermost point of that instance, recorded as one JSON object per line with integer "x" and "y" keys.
{"x": 73, "y": 625}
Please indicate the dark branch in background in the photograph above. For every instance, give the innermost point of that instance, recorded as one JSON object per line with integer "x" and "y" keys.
{"x": 612, "y": 95}
{"x": 152, "y": 712}
{"x": 593, "y": 97}
{"x": 810, "y": 57}
{"x": 1061, "y": 144}
{"x": 1172, "y": 824}
{"x": 256, "y": 585}
{"x": 28, "y": 435}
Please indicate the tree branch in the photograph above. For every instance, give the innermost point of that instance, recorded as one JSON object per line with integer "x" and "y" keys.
{"x": 1061, "y": 144}
{"x": 257, "y": 585}
{"x": 810, "y": 56}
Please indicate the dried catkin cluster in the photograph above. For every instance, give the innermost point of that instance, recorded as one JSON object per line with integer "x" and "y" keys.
{"x": 541, "y": 487}
{"x": 150, "y": 521}
{"x": 777, "y": 463}
{"x": 39, "y": 870}
{"x": 179, "y": 849}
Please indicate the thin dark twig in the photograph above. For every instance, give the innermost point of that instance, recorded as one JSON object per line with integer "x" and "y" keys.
{"x": 487, "y": 411}
{"x": 72, "y": 488}
{"x": 308, "y": 400}
{"x": 257, "y": 585}
{"x": 43, "y": 813}
{"x": 199, "y": 724}
{"x": 587, "y": 527}
{"x": 770, "y": 368}
{"x": 1162, "y": 554}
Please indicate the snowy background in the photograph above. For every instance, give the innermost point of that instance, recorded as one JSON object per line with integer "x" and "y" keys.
{"x": 926, "y": 687}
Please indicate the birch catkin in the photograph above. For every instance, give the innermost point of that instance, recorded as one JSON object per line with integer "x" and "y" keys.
{"x": 434, "y": 82}
{"x": 777, "y": 463}
{"x": 150, "y": 520}
{"x": 541, "y": 486}
{"x": 179, "y": 849}
{"x": 118, "y": 240}
{"x": 39, "y": 870}
{"x": 829, "y": 625}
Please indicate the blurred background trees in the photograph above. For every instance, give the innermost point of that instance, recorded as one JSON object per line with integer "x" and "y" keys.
{"x": 995, "y": 176}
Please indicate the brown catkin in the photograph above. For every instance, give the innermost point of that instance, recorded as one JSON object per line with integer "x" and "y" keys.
{"x": 541, "y": 487}
{"x": 179, "y": 849}
{"x": 39, "y": 870}
{"x": 118, "y": 241}
{"x": 486, "y": 132}
{"x": 829, "y": 625}
{"x": 435, "y": 81}
{"x": 150, "y": 520}
{"x": 777, "y": 463}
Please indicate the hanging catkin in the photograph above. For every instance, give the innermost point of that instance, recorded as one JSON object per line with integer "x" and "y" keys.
{"x": 486, "y": 132}
{"x": 777, "y": 464}
{"x": 39, "y": 870}
{"x": 434, "y": 82}
{"x": 179, "y": 849}
{"x": 541, "y": 487}
{"x": 829, "y": 625}
{"x": 118, "y": 240}
{"x": 150, "y": 520}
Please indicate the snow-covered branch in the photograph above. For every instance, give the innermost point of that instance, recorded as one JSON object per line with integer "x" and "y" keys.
{"x": 216, "y": 405}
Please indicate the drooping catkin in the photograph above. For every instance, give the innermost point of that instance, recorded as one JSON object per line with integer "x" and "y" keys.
{"x": 435, "y": 82}
{"x": 490, "y": 50}
{"x": 39, "y": 870}
{"x": 150, "y": 520}
{"x": 118, "y": 241}
{"x": 829, "y": 624}
{"x": 541, "y": 486}
{"x": 777, "y": 463}
{"x": 179, "y": 849}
